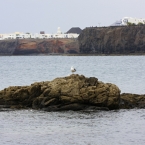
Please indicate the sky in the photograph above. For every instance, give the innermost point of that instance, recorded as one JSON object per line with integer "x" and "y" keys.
{"x": 47, "y": 15}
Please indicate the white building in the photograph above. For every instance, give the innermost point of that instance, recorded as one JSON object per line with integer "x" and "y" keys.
{"x": 124, "y": 21}
{"x": 21, "y": 35}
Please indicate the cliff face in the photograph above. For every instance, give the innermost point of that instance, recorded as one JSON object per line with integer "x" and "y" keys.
{"x": 113, "y": 40}
{"x": 38, "y": 46}
{"x": 7, "y": 47}
{"x": 93, "y": 40}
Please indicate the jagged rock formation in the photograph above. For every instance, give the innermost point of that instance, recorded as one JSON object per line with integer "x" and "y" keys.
{"x": 129, "y": 101}
{"x": 112, "y": 40}
{"x": 38, "y": 46}
{"x": 75, "y": 92}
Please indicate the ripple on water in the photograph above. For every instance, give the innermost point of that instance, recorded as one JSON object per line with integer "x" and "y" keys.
{"x": 124, "y": 127}
{"x": 127, "y": 72}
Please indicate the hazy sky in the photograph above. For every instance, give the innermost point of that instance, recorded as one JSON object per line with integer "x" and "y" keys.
{"x": 46, "y": 15}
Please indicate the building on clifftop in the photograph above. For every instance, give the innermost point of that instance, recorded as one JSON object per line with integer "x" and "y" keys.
{"x": 72, "y": 33}
{"x": 126, "y": 20}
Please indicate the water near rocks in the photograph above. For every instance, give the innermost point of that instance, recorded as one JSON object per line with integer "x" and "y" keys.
{"x": 127, "y": 72}
{"x": 122, "y": 127}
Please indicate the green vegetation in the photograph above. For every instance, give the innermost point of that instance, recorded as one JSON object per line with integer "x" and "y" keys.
{"x": 141, "y": 24}
{"x": 133, "y": 24}
{"x": 130, "y": 24}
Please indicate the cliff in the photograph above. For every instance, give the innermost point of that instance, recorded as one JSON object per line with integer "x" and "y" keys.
{"x": 74, "y": 92}
{"x": 7, "y": 47}
{"x": 38, "y": 46}
{"x": 93, "y": 40}
{"x": 112, "y": 40}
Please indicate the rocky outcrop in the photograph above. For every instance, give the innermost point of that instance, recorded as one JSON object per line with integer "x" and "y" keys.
{"x": 75, "y": 92}
{"x": 113, "y": 40}
{"x": 38, "y": 46}
{"x": 129, "y": 101}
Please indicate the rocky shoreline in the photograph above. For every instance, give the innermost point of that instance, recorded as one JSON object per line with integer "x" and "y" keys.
{"x": 74, "y": 92}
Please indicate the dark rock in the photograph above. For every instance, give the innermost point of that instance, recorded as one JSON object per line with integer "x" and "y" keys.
{"x": 38, "y": 46}
{"x": 73, "y": 107}
{"x": 7, "y": 47}
{"x": 112, "y": 40}
{"x": 129, "y": 101}
{"x": 75, "y": 92}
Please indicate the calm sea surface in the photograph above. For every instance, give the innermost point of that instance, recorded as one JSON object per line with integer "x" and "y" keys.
{"x": 30, "y": 127}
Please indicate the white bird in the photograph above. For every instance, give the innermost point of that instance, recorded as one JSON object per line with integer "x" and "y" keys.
{"x": 73, "y": 69}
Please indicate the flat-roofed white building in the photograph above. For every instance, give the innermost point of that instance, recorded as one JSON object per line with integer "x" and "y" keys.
{"x": 124, "y": 21}
{"x": 21, "y": 35}
{"x": 59, "y": 34}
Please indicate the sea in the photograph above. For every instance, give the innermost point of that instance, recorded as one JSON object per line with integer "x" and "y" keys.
{"x": 35, "y": 127}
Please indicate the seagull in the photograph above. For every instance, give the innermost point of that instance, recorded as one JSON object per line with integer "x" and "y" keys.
{"x": 73, "y": 69}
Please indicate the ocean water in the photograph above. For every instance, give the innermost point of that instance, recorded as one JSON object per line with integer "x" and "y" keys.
{"x": 127, "y": 72}
{"x": 31, "y": 127}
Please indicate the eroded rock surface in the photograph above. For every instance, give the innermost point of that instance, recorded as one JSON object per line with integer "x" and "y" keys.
{"x": 74, "y": 92}
{"x": 112, "y": 40}
{"x": 38, "y": 46}
{"x": 129, "y": 101}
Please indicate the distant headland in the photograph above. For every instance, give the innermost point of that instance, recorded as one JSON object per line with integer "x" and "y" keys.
{"x": 126, "y": 37}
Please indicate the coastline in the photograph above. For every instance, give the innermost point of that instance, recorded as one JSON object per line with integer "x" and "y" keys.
{"x": 80, "y": 54}
{"x": 93, "y": 41}
{"x": 132, "y": 54}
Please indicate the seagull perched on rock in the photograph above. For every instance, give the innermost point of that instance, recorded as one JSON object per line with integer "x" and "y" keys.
{"x": 73, "y": 69}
